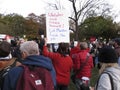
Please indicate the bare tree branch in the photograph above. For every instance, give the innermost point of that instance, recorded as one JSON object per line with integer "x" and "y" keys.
{"x": 72, "y": 19}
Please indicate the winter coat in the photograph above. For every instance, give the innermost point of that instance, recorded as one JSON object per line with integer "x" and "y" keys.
{"x": 104, "y": 81}
{"x": 11, "y": 78}
{"x": 74, "y": 50}
{"x": 79, "y": 61}
{"x": 62, "y": 65}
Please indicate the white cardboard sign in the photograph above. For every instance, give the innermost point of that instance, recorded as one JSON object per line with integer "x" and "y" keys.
{"x": 57, "y": 26}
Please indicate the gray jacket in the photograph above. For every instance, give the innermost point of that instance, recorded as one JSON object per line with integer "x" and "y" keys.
{"x": 104, "y": 81}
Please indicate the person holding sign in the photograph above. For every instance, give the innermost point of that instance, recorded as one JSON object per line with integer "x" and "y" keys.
{"x": 62, "y": 63}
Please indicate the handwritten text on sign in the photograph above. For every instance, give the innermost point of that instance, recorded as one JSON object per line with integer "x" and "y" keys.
{"x": 57, "y": 27}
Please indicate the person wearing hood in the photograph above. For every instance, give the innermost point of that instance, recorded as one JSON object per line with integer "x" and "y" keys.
{"x": 31, "y": 56}
{"x": 109, "y": 78}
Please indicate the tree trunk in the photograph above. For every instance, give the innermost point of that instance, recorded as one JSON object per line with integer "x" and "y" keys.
{"x": 76, "y": 31}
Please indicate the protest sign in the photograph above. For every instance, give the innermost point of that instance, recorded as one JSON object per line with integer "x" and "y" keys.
{"x": 57, "y": 26}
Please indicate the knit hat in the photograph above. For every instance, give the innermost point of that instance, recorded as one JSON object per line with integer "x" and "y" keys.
{"x": 107, "y": 55}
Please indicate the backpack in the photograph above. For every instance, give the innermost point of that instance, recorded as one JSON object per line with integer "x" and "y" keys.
{"x": 4, "y": 72}
{"x": 35, "y": 78}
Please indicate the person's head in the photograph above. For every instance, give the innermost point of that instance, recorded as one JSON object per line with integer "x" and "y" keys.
{"x": 5, "y": 49}
{"x": 5, "y": 56}
{"x": 116, "y": 42}
{"x": 29, "y": 48}
{"x": 63, "y": 48}
{"x": 108, "y": 57}
{"x": 13, "y": 43}
{"x": 83, "y": 45}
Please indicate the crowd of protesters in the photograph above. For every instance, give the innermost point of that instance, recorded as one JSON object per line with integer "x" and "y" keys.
{"x": 62, "y": 60}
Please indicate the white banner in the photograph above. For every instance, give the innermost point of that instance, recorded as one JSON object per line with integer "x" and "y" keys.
{"x": 57, "y": 26}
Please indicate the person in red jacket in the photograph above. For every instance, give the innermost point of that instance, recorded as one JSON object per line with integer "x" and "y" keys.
{"x": 82, "y": 65}
{"x": 62, "y": 63}
{"x": 75, "y": 49}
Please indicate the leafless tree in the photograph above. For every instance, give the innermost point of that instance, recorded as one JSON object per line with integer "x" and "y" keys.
{"x": 54, "y": 4}
{"x": 83, "y": 9}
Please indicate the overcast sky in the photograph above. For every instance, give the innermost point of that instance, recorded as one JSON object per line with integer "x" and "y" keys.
{"x": 24, "y": 7}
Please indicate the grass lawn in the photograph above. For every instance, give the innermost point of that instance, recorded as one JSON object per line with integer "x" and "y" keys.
{"x": 92, "y": 81}
{"x": 94, "y": 77}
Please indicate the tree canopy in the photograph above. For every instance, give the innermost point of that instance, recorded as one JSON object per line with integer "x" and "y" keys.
{"x": 99, "y": 27}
